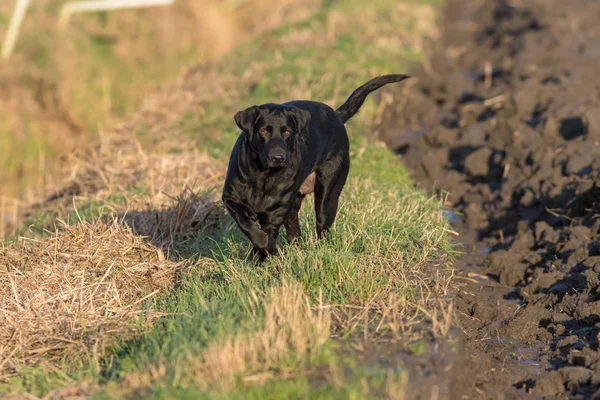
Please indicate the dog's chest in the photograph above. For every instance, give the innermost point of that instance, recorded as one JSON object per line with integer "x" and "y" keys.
{"x": 269, "y": 195}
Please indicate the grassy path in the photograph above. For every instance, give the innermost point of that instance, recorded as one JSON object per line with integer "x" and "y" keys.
{"x": 294, "y": 327}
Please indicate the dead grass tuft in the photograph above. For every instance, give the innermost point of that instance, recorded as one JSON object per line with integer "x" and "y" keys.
{"x": 189, "y": 215}
{"x": 71, "y": 295}
{"x": 386, "y": 315}
{"x": 118, "y": 163}
{"x": 292, "y": 330}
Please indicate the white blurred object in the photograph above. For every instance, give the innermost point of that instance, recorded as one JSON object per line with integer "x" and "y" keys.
{"x": 14, "y": 28}
{"x": 66, "y": 12}
{"x": 74, "y": 7}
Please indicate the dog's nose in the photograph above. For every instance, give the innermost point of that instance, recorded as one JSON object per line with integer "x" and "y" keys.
{"x": 278, "y": 157}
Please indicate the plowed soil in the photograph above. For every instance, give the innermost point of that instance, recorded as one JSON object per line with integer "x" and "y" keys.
{"x": 505, "y": 117}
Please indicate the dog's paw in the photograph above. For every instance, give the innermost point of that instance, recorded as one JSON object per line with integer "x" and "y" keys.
{"x": 256, "y": 256}
{"x": 261, "y": 241}
{"x": 272, "y": 248}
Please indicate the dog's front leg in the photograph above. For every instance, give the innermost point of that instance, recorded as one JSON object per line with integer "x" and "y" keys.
{"x": 259, "y": 239}
{"x": 271, "y": 223}
{"x": 260, "y": 254}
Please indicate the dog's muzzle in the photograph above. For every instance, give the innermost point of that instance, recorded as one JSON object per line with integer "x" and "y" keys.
{"x": 277, "y": 158}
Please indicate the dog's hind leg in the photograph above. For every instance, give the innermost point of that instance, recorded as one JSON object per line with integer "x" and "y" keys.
{"x": 328, "y": 187}
{"x": 291, "y": 223}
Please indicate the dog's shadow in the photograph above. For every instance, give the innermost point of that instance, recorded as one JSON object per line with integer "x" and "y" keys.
{"x": 194, "y": 225}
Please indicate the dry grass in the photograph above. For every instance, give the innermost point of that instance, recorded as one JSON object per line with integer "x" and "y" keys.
{"x": 163, "y": 179}
{"x": 292, "y": 330}
{"x": 71, "y": 295}
{"x": 194, "y": 87}
{"x": 10, "y": 215}
{"x": 118, "y": 163}
{"x": 90, "y": 281}
{"x": 386, "y": 316}
{"x": 72, "y": 390}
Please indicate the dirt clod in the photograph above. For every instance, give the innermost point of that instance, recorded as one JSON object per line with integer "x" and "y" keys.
{"x": 476, "y": 163}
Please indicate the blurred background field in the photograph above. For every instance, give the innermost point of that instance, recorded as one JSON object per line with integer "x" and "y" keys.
{"x": 60, "y": 88}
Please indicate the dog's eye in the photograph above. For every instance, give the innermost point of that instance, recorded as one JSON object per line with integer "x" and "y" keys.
{"x": 287, "y": 133}
{"x": 263, "y": 132}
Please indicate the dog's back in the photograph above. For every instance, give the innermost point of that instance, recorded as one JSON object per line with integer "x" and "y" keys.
{"x": 321, "y": 114}
{"x": 326, "y": 130}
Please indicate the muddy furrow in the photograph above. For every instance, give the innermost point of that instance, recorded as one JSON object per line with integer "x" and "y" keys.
{"x": 505, "y": 116}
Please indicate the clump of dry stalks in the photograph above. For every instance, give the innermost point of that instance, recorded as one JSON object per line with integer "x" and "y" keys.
{"x": 118, "y": 163}
{"x": 292, "y": 329}
{"x": 70, "y": 296}
{"x": 153, "y": 213}
{"x": 190, "y": 215}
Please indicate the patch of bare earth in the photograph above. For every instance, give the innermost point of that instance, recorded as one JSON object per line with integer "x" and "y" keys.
{"x": 504, "y": 116}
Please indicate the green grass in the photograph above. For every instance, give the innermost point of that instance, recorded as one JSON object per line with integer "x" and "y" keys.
{"x": 385, "y": 232}
{"x": 361, "y": 382}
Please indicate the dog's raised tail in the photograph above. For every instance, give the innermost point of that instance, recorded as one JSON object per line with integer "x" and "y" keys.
{"x": 357, "y": 98}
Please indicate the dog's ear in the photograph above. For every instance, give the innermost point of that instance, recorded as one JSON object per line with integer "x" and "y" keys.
{"x": 245, "y": 119}
{"x": 302, "y": 118}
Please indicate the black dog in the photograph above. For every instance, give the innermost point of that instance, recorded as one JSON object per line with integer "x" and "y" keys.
{"x": 286, "y": 151}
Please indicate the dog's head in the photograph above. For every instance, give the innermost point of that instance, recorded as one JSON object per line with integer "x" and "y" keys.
{"x": 272, "y": 131}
